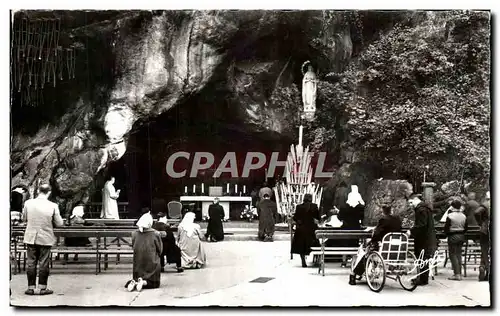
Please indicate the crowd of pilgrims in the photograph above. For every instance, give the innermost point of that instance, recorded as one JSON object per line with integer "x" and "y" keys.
{"x": 349, "y": 209}
{"x": 154, "y": 244}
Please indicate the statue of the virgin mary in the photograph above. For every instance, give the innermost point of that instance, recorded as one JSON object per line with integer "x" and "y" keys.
{"x": 309, "y": 87}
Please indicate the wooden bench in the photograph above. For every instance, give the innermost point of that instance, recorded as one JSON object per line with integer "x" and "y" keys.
{"x": 99, "y": 249}
{"x": 324, "y": 234}
{"x": 471, "y": 248}
{"x": 123, "y": 222}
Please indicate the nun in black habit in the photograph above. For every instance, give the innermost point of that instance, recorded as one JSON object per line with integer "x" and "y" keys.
{"x": 306, "y": 218}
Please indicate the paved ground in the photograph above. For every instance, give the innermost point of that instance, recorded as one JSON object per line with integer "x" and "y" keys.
{"x": 225, "y": 281}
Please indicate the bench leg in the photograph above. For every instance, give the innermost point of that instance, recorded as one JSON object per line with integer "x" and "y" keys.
{"x": 97, "y": 263}
{"x": 105, "y": 262}
{"x": 323, "y": 263}
{"x": 18, "y": 262}
{"x": 465, "y": 261}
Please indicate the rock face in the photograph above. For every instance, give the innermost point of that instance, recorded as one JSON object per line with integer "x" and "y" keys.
{"x": 158, "y": 60}
{"x": 389, "y": 192}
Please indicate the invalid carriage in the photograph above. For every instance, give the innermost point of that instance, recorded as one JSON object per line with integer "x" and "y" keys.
{"x": 392, "y": 260}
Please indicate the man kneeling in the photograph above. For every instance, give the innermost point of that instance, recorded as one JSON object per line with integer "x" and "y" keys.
{"x": 387, "y": 224}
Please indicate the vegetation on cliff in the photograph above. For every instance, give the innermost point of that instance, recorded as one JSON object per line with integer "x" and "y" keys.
{"x": 419, "y": 96}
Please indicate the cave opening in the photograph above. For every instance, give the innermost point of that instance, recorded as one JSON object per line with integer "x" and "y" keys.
{"x": 199, "y": 125}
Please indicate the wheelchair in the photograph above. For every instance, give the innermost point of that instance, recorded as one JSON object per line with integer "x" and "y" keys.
{"x": 391, "y": 260}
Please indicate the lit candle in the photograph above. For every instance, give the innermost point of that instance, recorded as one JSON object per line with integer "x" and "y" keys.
{"x": 194, "y": 188}
{"x": 244, "y": 189}
{"x": 228, "y": 188}
{"x": 202, "y": 188}
{"x": 186, "y": 189}
{"x": 236, "y": 188}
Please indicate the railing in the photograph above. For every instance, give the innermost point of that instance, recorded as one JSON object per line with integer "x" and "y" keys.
{"x": 93, "y": 209}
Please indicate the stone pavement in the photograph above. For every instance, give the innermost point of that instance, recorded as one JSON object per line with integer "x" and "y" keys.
{"x": 225, "y": 281}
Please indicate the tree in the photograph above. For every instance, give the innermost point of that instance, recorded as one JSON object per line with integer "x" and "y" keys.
{"x": 420, "y": 97}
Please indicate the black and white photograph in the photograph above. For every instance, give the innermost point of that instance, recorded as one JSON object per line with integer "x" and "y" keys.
{"x": 250, "y": 157}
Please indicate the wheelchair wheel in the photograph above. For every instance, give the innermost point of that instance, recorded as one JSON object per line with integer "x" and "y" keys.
{"x": 408, "y": 280}
{"x": 375, "y": 272}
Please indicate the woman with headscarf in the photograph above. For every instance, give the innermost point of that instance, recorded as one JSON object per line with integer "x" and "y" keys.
{"x": 352, "y": 215}
{"x": 148, "y": 248}
{"x": 189, "y": 241}
{"x": 306, "y": 217}
{"x": 170, "y": 248}
{"x": 76, "y": 220}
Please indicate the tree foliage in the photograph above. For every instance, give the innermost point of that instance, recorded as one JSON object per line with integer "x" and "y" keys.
{"x": 420, "y": 96}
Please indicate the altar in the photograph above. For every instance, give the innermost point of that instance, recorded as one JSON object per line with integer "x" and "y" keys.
{"x": 224, "y": 201}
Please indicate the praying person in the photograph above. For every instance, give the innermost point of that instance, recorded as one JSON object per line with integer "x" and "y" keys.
{"x": 351, "y": 216}
{"x": 306, "y": 218}
{"x": 147, "y": 246}
{"x": 170, "y": 248}
{"x": 215, "y": 229}
{"x": 455, "y": 228}
{"x": 76, "y": 220}
{"x": 189, "y": 242}
{"x": 268, "y": 215}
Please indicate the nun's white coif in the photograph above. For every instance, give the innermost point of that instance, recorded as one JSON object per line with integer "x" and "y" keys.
{"x": 354, "y": 198}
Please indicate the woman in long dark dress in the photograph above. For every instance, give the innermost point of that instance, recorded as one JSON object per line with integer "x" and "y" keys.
{"x": 306, "y": 217}
{"x": 148, "y": 248}
{"x": 170, "y": 248}
{"x": 351, "y": 215}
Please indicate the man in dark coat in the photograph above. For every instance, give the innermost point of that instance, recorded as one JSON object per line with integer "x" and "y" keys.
{"x": 482, "y": 215}
{"x": 470, "y": 207}
{"x": 215, "y": 230}
{"x": 170, "y": 248}
{"x": 268, "y": 214}
{"x": 424, "y": 235}
{"x": 387, "y": 224}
